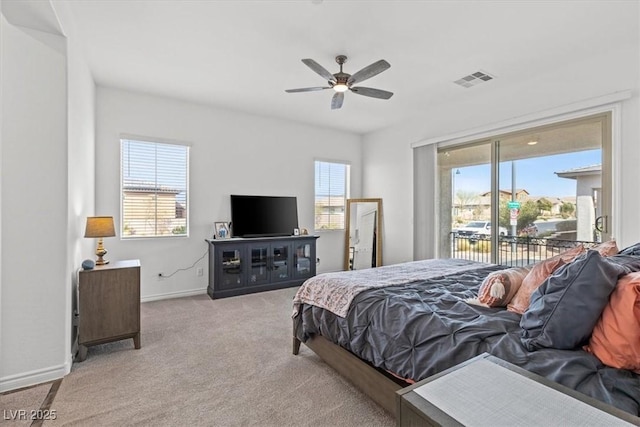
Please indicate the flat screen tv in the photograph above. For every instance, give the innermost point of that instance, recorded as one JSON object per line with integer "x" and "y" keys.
{"x": 263, "y": 216}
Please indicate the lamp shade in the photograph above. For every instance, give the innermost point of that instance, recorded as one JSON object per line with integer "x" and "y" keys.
{"x": 100, "y": 226}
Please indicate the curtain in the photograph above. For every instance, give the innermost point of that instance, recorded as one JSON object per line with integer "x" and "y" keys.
{"x": 425, "y": 203}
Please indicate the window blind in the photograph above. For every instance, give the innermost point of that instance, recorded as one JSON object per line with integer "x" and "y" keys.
{"x": 331, "y": 193}
{"x": 154, "y": 185}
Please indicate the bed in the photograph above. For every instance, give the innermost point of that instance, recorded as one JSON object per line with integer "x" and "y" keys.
{"x": 404, "y": 323}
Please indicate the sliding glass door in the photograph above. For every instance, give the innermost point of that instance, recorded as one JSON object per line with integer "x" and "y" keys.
{"x": 517, "y": 198}
{"x": 465, "y": 201}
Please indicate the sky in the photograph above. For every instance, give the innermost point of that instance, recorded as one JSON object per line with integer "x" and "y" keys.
{"x": 536, "y": 175}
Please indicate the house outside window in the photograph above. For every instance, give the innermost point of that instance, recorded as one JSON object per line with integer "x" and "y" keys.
{"x": 154, "y": 189}
{"x": 332, "y": 182}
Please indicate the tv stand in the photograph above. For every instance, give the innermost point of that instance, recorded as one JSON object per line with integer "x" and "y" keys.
{"x": 240, "y": 266}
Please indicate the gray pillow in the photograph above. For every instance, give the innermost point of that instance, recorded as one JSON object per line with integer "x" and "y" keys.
{"x": 566, "y": 307}
{"x": 630, "y": 263}
{"x": 631, "y": 250}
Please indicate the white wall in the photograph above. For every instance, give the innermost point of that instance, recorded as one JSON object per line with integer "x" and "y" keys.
{"x": 80, "y": 156}
{"x": 628, "y": 160}
{"x": 47, "y": 188}
{"x": 35, "y": 285}
{"x": 231, "y": 153}
{"x": 3, "y": 30}
{"x": 387, "y": 155}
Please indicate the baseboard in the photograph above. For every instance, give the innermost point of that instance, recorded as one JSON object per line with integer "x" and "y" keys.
{"x": 171, "y": 295}
{"x": 39, "y": 376}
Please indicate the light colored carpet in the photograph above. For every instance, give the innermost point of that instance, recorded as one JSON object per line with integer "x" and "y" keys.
{"x": 223, "y": 362}
{"x": 27, "y": 400}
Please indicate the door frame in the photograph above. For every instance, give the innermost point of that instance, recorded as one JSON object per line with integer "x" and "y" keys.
{"x": 608, "y": 104}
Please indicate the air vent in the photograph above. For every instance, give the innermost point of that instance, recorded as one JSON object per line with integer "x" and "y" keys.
{"x": 474, "y": 79}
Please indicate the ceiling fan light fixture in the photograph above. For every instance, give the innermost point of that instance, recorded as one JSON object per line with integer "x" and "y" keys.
{"x": 341, "y": 82}
{"x": 340, "y": 87}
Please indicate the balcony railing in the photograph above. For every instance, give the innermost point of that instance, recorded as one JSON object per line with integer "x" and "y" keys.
{"x": 512, "y": 251}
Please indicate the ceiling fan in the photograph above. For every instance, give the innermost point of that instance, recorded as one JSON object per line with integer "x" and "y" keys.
{"x": 341, "y": 82}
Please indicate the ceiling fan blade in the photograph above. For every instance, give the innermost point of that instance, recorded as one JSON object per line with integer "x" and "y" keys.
{"x": 336, "y": 101}
{"x": 368, "y": 72}
{"x": 307, "y": 89}
{"x": 373, "y": 93}
{"x": 319, "y": 69}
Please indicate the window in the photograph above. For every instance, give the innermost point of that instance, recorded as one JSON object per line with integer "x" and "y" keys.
{"x": 154, "y": 182}
{"x": 541, "y": 187}
{"x": 331, "y": 191}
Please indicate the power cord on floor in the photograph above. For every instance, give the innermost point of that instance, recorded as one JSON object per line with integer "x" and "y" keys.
{"x": 166, "y": 276}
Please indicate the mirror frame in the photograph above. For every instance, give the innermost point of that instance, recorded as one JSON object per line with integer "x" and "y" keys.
{"x": 347, "y": 226}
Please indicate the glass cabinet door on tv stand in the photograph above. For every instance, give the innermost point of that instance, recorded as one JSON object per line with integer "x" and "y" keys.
{"x": 304, "y": 259}
{"x": 269, "y": 262}
{"x": 230, "y": 260}
{"x": 258, "y": 264}
{"x": 280, "y": 261}
{"x": 239, "y": 266}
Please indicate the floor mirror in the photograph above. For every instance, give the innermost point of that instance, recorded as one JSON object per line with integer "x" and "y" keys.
{"x": 363, "y": 239}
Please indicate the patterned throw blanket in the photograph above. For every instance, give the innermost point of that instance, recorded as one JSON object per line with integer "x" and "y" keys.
{"x": 335, "y": 291}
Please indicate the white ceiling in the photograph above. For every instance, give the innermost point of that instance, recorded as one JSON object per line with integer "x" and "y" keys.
{"x": 242, "y": 55}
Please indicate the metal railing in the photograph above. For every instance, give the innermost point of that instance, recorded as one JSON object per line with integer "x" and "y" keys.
{"x": 513, "y": 251}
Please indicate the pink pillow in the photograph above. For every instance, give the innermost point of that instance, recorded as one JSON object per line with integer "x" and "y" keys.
{"x": 499, "y": 287}
{"x": 616, "y": 337}
{"x": 609, "y": 248}
{"x": 538, "y": 274}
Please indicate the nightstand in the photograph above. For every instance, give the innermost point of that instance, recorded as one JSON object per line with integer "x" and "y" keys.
{"x": 108, "y": 305}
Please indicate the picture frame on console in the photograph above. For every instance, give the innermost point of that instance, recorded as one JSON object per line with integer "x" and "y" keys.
{"x": 221, "y": 230}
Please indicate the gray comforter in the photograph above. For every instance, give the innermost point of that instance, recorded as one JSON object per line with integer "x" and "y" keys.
{"x": 419, "y": 329}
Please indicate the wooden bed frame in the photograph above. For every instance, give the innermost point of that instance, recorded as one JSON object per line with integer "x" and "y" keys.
{"x": 380, "y": 386}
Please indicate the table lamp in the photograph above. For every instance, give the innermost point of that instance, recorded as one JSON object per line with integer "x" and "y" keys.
{"x": 100, "y": 226}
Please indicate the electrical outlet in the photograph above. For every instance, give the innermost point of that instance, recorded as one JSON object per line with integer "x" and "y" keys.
{"x": 199, "y": 271}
